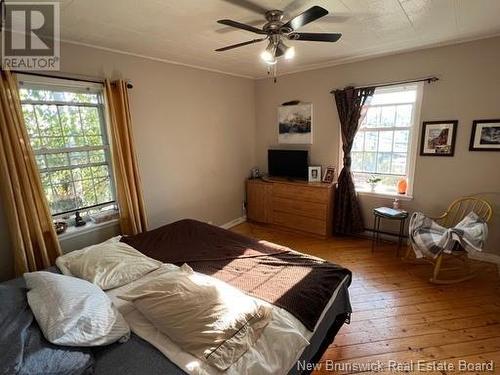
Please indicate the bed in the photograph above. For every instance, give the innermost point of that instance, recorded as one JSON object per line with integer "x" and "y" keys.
{"x": 309, "y": 291}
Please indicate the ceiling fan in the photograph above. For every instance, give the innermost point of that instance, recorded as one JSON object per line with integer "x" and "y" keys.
{"x": 276, "y": 30}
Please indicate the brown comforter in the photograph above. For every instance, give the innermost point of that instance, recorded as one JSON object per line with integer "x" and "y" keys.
{"x": 301, "y": 284}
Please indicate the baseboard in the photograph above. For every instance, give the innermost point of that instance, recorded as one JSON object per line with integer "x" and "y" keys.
{"x": 234, "y": 222}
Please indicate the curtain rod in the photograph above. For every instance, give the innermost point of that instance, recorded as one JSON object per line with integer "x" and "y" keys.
{"x": 395, "y": 83}
{"x": 93, "y": 80}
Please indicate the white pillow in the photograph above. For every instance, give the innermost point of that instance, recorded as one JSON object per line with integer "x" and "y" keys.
{"x": 73, "y": 312}
{"x": 205, "y": 317}
{"x": 63, "y": 260}
{"x": 108, "y": 265}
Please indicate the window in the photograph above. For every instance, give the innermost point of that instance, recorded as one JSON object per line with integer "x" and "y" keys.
{"x": 385, "y": 144}
{"x": 66, "y": 128}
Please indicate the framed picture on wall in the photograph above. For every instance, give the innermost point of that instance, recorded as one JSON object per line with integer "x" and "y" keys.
{"x": 438, "y": 138}
{"x": 295, "y": 124}
{"x": 485, "y": 135}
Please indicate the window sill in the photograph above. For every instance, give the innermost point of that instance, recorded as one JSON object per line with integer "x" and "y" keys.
{"x": 383, "y": 194}
{"x": 73, "y": 231}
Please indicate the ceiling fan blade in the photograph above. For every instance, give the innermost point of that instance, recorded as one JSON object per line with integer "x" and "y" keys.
{"x": 250, "y": 5}
{"x": 228, "y": 29}
{"x": 239, "y": 45}
{"x": 315, "y": 37}
{"x": 310, "y": 15}
{"x": 242, "y": 26}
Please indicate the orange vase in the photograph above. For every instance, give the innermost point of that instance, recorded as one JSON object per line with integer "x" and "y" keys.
{"x": 402, "y": 186}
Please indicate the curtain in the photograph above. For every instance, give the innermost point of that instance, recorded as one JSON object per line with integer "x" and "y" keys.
{"x": 32, "y": 233}
{"x": 128, "y": 183}
{"x": 347, "y": 217}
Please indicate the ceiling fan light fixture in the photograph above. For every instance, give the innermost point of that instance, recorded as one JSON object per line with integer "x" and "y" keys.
{"x": 290, "y": 53}
{"x": 268, "y": 55}
{"x": 283, "y": 50}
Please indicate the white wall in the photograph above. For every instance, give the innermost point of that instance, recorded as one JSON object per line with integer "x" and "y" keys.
{"x": 194, "y": 134}
{"x": 469, "y": 88}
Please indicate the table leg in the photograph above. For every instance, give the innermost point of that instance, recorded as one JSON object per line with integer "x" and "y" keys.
{"x": 401, "y": 234}
{"x": 378, "y": 230}
{"x": 374, "y": 232}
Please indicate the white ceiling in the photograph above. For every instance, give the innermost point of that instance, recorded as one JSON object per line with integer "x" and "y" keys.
{"x": 186, "y": 31}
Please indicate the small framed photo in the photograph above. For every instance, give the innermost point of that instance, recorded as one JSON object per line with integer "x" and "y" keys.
{"x": 329, "y": 175}
{"x": 314, "y": 174}
{"x": 438, "y": 138}
{"x": 485, "y": 135}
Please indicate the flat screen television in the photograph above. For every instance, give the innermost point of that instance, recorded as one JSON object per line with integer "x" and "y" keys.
{"x": 288, "y": 163}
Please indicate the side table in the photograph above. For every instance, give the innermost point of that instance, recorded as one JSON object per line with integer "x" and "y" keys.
{"x": 390, "y": 214}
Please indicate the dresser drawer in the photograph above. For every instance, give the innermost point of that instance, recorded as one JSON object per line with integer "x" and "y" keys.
{"x": 259, "y": 201}
{"x": 296, "y": 207}
{"x": 303, "y": 223}
{"x": 303, "y": 193}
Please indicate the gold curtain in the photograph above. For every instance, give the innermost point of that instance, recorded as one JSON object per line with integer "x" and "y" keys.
{"x": 128, "y": 183}
{"x": 34, "y": 240}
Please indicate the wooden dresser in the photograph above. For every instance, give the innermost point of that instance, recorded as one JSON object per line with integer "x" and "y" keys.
{"x": 303, "y": 206}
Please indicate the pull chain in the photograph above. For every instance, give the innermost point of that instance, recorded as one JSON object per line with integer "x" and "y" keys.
{"x": 274, "y": 70}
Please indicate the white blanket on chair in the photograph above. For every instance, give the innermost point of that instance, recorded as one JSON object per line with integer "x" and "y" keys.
{"x": 431, "y": 239}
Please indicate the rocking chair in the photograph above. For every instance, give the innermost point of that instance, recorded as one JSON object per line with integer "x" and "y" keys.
{"x": 457, "y": 210}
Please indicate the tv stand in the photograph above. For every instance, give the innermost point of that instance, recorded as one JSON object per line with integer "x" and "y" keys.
{"x": 298, "y": 205}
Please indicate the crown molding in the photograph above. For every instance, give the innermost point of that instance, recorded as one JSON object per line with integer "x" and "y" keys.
{"x": 157, "y": 59}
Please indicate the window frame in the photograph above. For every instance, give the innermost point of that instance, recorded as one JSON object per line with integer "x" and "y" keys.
{"x": 60, "y": 84}
{"x": 412, "y": 148}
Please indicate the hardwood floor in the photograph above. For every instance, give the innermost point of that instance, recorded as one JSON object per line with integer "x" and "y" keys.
{"x": 398, "y": 315}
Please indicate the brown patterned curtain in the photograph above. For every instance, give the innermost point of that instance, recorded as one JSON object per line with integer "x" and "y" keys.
{"x": 34, "y": 240}
{"x": 133, "y": 218}
{"x": 347, "y": 217}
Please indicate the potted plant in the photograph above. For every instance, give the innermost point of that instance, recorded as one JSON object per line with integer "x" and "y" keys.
{"x": 373, "y": 181}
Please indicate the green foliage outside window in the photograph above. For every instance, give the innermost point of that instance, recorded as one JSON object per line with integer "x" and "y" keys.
{"x": 71, "y": 150}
